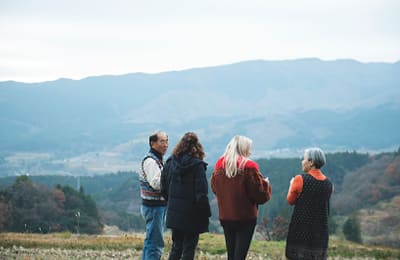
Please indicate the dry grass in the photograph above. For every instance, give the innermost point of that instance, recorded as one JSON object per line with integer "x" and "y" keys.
{"x": 128, "y": 246}
{"x": 70, "y": 241}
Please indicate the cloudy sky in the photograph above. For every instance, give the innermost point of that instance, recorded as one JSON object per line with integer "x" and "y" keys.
{"x": 44, "y": 40}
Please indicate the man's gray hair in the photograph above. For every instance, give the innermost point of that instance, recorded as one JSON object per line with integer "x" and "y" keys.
{"x": 316, "y": 155}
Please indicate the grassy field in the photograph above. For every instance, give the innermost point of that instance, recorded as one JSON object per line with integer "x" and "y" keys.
{"x": 128, "y": 246}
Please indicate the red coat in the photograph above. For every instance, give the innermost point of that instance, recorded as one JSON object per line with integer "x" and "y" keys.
{"x": 239, "y": 196}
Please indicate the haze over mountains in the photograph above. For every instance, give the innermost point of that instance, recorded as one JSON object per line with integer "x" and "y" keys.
{"x": 100, "y": 124}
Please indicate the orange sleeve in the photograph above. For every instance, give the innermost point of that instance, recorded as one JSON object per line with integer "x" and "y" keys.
{"x": 295, "y": 189}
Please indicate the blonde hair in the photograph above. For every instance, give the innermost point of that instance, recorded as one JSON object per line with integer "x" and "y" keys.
{"x": 236, "y": 155}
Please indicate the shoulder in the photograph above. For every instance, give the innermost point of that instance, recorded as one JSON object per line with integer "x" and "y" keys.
{"x": 170, "y": 159}
{"x": 298, "y": 182}
{"x": 167, "y": 163}
{"x": 329, "y": 182}
{"x": 196, "y": 160}
{"x": 149, "y": 161}
{"x": 300, "y": 176}
{"x": 199, "y": 163}
{"x": 149, "y": 157}
{"x": 220, "y": 163}
{"x": 252, "y": 165}
{"x": 188, "y": 161}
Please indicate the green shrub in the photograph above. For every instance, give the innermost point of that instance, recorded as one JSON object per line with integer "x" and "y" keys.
{"x": 351, "y": 229}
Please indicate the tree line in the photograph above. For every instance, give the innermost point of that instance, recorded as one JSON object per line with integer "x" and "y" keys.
{"x": 26, "y": 206}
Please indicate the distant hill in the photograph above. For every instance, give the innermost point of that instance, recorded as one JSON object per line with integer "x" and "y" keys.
{"x": 100, "y": 124}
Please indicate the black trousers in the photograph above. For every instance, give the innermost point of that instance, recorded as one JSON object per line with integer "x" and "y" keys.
{"x": 237, "y": 240}
{"x": 183, "y": 245}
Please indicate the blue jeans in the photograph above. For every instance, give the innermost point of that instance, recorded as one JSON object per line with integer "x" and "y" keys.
{"x": 154, "y": 241}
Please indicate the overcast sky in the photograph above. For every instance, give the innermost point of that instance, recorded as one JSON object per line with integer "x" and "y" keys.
{"x": 45, "y": 40}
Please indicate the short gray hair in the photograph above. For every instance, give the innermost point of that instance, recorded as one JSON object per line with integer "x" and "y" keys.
{"x": 316, "y": 155}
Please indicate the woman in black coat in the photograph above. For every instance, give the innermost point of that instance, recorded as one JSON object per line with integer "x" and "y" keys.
{"x": 184, "y": 185}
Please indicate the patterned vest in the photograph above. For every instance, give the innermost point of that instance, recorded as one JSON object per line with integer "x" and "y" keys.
{"x": 308, "y": 230}
{"x": 149, "y": 195}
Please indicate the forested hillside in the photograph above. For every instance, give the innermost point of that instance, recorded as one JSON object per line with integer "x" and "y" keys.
{"x": 116, "y": 195}
{"x": 369, "y": 184}
{"x": 366, "y": 186}
{"x": 34, "y": 208}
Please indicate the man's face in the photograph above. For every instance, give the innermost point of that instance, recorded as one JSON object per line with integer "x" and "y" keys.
{"x": 161, "y": 145}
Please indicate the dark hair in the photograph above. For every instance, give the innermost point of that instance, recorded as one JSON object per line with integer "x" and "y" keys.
{"x": 189, "y": 144}
{"x": 154, "y": 137}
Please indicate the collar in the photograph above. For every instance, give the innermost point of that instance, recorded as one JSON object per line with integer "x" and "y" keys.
{"x": 317, "y": 174}
{"x": 156, "y": 153}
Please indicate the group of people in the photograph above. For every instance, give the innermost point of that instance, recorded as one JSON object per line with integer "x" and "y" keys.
{"x": 175, "y": 194}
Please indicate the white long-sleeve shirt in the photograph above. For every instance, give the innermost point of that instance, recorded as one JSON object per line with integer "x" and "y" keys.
{"x": 153, "y": 173}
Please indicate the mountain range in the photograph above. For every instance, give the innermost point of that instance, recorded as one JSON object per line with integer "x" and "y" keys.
{"x": 101, "y": 124}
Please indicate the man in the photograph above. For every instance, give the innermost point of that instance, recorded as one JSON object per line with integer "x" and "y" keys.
{"x": 153, "y": 204}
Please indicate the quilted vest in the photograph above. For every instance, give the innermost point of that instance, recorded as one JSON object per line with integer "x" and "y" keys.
{"x": 149, "y": 195}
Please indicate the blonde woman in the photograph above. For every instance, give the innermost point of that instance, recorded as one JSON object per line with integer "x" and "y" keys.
{"x": 239, "y": 188}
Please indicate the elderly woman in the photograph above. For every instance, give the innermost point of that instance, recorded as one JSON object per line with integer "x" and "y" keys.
{"x": 310, "y": 194}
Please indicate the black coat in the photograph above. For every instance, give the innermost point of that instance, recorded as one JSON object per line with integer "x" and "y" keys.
{"x": 184, "y": 186}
